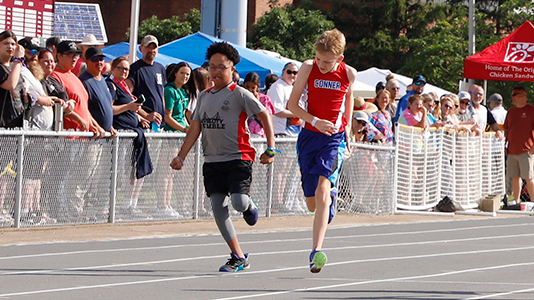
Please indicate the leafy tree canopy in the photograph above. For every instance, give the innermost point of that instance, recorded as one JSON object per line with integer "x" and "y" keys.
{"x": 405, "y": 36}
{"x": 289, "y": 31}
{"x": 168, "y": 30}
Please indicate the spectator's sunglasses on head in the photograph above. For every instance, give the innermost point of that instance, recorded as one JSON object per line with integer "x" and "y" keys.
{"x": 97, "y": 58}
{"x": 464, "y": 102}
{"x": 476, "y": 94}
{"x": 291, "y": 72}
{"x": 34, "y": 52}
{"x": 420, "y": 83}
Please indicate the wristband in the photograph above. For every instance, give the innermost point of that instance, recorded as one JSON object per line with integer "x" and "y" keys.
{"x": 314, "y": 121}
{"x": 18, "y": 59}
{"x": 180, "y": 159}
{"x": 271, "y": 152}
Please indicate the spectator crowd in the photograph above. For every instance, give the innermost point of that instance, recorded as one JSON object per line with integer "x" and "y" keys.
{"x": 73, "y": 79}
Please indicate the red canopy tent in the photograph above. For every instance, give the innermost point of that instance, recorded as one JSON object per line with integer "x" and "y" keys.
{"x": 510, "y": 59}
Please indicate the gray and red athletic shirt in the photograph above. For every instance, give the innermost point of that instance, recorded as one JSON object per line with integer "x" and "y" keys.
{"x": 223, "y": 118}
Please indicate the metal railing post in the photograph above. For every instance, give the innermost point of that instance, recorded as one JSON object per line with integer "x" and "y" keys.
{"x": 270, "y": 175}
{"x": 113, "y": 190}
{"x": 197, "y": 181}
{"x": 19, "y": 178}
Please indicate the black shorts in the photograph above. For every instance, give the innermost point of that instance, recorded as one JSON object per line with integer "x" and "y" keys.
{"x": 228, "y": 177}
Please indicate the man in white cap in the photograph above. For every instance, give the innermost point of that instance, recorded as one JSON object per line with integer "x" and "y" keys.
{"x": 497, "y": 110}
{"x": 87, "y": 42}
{"x": 463, "y": 115}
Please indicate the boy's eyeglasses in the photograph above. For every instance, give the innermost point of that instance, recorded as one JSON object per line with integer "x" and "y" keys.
{"x": 292, "y": 72}
{"x": 218, "y": 68}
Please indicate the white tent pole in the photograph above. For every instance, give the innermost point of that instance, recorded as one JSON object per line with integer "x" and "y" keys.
{"x": 134, "y": 27}
{"x": 471, "y": 32}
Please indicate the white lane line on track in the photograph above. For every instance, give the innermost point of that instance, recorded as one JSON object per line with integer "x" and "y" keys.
{"x": 259, "y": 242}
{"x": 501, "y": 294}
{"x": 276, "y": 253}
{"x": 248, "y": 273}
{"x": 378, "y": 281}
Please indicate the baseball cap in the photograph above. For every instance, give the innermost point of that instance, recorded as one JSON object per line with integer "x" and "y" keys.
{"x": 380, "y": 86}
{"x": 92, "y": 52}
{"x": 495, "y": 98}
{"x": 52, "y": 41}
{"x": 464, "y": 95}
{"x": 29, "y": 43}
{"x": 419, "y": 78}
{"x": 67, "y": 46}
{"x": 360, "y": 116}
{"x": 149, "y": 39}
{"x": 90, "y": 40}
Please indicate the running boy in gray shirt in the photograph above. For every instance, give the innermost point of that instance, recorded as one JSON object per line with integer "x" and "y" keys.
{"x": 221, "y": 115}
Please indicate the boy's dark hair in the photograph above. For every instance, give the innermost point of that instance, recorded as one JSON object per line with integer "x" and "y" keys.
{"x": 225, "y": 49}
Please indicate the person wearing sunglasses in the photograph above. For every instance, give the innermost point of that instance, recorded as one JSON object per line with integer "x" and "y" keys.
{"x": 393, "y": 87}
{"x": 100, "y": 101}
{"x": 463, "y": 114}
{"x": 417, "y": 88}
{"x": 279, "y": 93}
{"x": 519, "y": 128}
{"x": 87, "y": 42}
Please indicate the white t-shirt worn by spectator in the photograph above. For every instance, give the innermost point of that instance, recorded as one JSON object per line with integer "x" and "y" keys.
{"x": 279, "y": 93}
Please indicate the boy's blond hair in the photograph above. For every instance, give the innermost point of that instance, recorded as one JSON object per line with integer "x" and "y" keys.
{"x": 331, "y": 41}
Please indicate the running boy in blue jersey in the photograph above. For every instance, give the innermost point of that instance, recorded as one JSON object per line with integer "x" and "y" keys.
{"x": 221, "y": 115}
{"x": 321, "y": 144}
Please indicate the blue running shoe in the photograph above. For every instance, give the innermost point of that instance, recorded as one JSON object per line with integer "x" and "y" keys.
{"x": 333, "y": 207}
{"x": 317, "y": 261}
{"x": 251, "y": 214}
{"x": 235, "y": 264}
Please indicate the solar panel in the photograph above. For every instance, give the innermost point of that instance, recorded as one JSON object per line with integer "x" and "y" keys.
{"x": 73, "y": 21}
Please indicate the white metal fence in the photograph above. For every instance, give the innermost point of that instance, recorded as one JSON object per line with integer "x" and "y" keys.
{"x": 441, "y": 162}
{"x": 60, "y": 178}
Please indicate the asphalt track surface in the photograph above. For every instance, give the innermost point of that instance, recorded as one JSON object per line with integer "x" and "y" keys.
{"x": 473, "y": 258}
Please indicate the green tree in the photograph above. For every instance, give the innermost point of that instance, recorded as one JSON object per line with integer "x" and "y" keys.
{"x": 168, "y": 30}
{"x": 289, "y": 31}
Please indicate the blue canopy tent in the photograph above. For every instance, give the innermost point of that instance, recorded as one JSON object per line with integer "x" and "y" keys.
{"x": 192, "y": 48}
{"x": 113, "y": 51}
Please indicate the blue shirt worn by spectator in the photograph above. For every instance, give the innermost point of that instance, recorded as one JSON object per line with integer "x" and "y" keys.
{"x": 100, "y": 102}
{"x": 149, "y": 80}
{"x": 403, "y": 104}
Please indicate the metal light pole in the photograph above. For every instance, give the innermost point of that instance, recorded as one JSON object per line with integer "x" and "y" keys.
{"x": 471, "y": 33}
{"x": 134, "y": 27}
